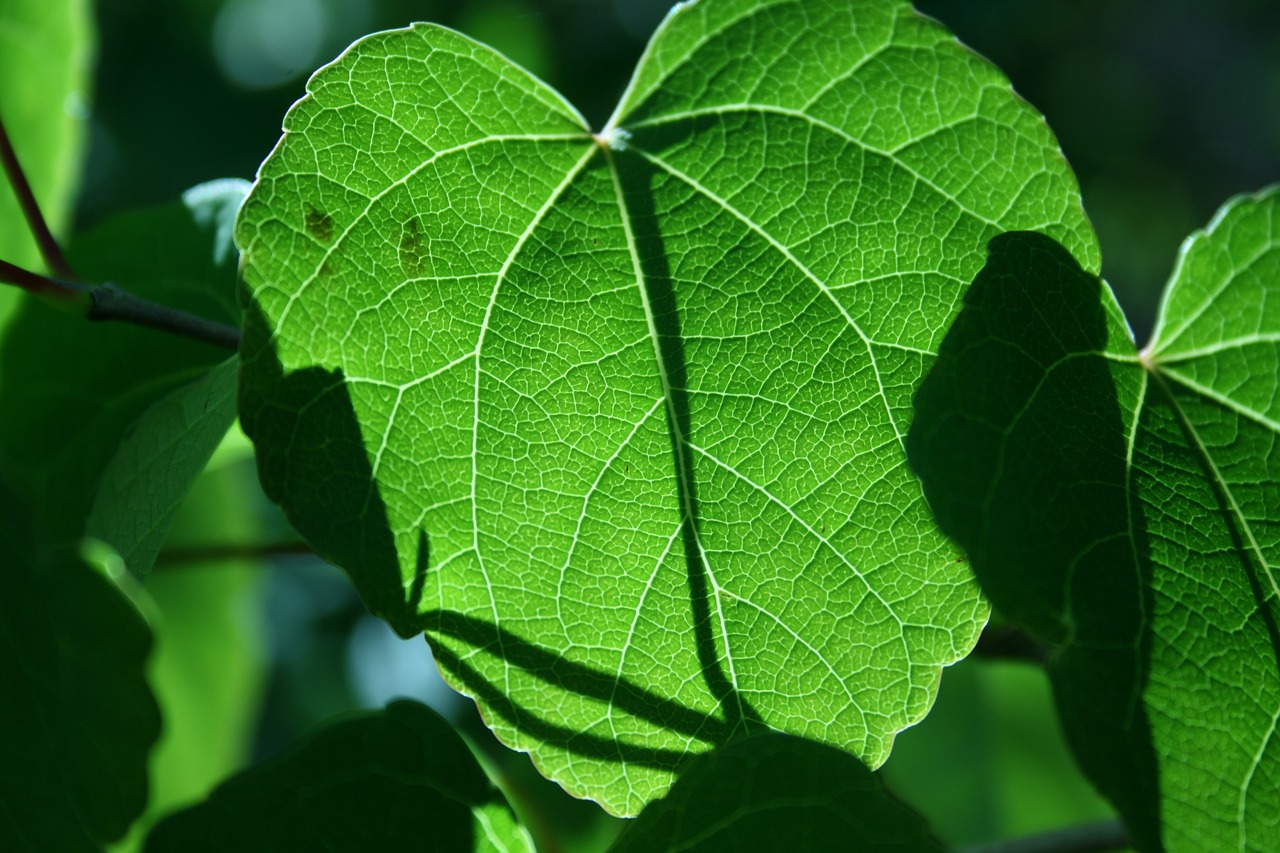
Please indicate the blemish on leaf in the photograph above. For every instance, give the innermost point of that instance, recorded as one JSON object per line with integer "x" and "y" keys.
{"x": 319, "y": 224}
{"x": 411, "y": 252}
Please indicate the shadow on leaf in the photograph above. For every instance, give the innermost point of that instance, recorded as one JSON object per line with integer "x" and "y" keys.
{"x": 312, "y": 461}
{"x": 1023, "y": 448}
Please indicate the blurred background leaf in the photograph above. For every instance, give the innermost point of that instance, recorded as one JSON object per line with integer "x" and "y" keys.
{"x": 46, "y": 65}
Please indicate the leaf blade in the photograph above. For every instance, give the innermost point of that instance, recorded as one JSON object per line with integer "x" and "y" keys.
{"x": 1144, "y": 502}
{"x": 534, "y": 361}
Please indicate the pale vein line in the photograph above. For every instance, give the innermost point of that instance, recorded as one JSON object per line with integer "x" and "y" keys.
{"x": 631, "y": 632}
{"x": 786, "y": 253}
{"x": 569, "y": 177}
{"x": 363, "y": 214}
{"x": 815, "y": 534}
{"x": 1214, "y": 349}
{"x": 651, "y": 48}
{"x": 818, "y": 123}
{"x": 686, "y": 487}
{"x": 852, "y": 71}
{"x": 801, "y": 640}
{"x": 1130, "y": 499}
{"x": 1212, "y": 297}
{"x": 1248, "y": 778}
{"x": 1247, "y": 530}
{"x": 1222, "y": 400}
{"x": 586, "y": 499}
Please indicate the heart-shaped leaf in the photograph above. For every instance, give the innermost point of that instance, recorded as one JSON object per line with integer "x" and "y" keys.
{"x": 1127, "y": 506}
{"x": 617, "y": 418}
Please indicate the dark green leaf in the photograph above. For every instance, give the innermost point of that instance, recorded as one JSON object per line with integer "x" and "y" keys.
{"x": 77, "y": 718}
{"x": 776, "y": 792}
{"x": 617, "y": 418}
{"x": 155, "y": 465}
{"x": 395, "y": 779}
{"x": 1127, "y": 506}
{"x": 70, "y": 389}
{"x": 210, "y": 662}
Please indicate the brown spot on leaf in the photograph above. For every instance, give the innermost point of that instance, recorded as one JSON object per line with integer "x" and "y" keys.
{"x": 412, "y": 254}
{"x": 319, "y": 224}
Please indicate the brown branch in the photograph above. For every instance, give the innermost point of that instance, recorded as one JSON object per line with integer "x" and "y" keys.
{"x": 185, "y": 556}
{"x": 49, "y": 247}
{"x": 1104, "y": 837}
{"x": 70, "y": 296}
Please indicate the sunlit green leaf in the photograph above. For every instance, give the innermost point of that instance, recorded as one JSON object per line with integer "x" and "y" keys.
{"x": 617, "y": 419}
{"x": 154, "y": 467}
{"x": 77, "y": 718}
{"x": 775, "y": 792}
{"x": 1128, "y": 507}
{"x": 46, "y": 49}
{"x": 390, "y": 780}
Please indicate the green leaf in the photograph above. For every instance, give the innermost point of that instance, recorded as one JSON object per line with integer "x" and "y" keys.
{"x": 775, "y": 792}
{"x": 77, "y": 386}
{"x": 46, "y": 52}
{"x": 377, "y": 781}
{"x": 157, "y": 463}
{"x": 617, "y": 419}
{"x": 209, "y": 667}
{"x": 1125, "y": 505}
{"x": 77, "y": 719}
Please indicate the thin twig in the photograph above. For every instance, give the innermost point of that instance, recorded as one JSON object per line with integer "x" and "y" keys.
{"x": 1006, "y": 642}
{"x": 1105, "y": 837}
{"x": 108, "y": 302}
{"x": 112, "y": 303}
{"x": 171, "y": 557}
{"x": 49, "y": 247}
{"x": 71, "y": 296}
{"x": 100, "y": 302}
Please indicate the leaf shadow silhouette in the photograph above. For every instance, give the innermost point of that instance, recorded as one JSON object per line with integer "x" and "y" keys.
{"x": 1022, "y": 447}
{"x": 313, "y": 463}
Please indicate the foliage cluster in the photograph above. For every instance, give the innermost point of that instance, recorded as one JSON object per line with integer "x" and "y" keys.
{"x": 697, "y": 447}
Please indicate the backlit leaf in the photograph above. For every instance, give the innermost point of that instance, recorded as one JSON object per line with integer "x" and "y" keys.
{"x": 156, "y": 464}
{"x": 1127, "y": 506}
{"x": 617, "y": 418}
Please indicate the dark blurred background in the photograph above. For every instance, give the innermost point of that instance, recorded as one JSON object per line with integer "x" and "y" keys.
{"x": 1165, "y": 109}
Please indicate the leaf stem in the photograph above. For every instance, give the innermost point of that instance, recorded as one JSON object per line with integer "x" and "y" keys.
{"x": 68, "y": 296}
{"x": 114, "y": 303}
{"x": 173, "y": 557}
{"x": 49, "y": 247}
{"x": 1103, "y": 837}
{"x": 96, "y": 302}
{"x": 108, "y": 302}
